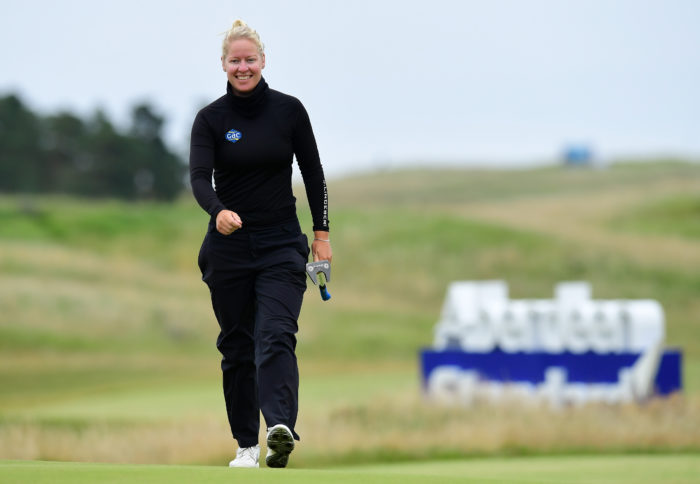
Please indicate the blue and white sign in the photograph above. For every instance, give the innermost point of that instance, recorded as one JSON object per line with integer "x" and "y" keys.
{"x": 570, "y": 349}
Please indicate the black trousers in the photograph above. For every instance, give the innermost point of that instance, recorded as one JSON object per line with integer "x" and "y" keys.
{"x": 257, "y": 280}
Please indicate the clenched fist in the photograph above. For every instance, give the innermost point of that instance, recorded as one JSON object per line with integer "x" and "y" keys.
{"x": 227, "y": 222}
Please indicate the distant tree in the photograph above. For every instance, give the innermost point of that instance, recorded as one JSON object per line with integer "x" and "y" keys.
{"x": 64, "y": 154}
{"x": 159, "y": 172}
{"x": 145, "y": 124}
{"x": 22, "y": 140}
{"x": 107, "y": 172}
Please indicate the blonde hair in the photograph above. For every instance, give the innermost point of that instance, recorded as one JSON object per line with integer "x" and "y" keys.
{"x": 241, "y": 30}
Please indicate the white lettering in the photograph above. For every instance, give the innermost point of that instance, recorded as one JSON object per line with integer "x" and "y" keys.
{"x": 479, "y": 317}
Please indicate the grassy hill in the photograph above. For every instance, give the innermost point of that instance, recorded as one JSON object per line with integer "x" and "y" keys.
{"x": 107, "y": 337}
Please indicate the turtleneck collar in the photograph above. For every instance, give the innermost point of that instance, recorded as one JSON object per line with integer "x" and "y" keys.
{"x": 249, "y": 105}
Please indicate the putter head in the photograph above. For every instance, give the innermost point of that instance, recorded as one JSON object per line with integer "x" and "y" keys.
{"x": 313, "y": 268}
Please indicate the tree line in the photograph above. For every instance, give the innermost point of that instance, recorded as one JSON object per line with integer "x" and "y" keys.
{"x": 62, "y": 153}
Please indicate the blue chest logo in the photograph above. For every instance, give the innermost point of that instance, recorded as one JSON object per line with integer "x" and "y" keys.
{"x": 233, "y": 136}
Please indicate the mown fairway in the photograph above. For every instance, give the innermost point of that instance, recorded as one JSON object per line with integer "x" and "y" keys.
{"x": 640, "y": 469}
{"x": 107, "y": 337}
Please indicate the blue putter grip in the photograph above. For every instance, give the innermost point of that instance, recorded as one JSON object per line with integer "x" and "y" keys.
{"x": 325, "y": 295}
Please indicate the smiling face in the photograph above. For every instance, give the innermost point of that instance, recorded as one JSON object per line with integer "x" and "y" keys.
{"x": 243, "y": 64}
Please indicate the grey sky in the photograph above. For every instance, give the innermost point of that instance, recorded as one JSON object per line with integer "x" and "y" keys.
{"x": 389, "y": 82}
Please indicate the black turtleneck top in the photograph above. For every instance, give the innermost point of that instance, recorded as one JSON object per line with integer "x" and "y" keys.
{"x": 248, "y": 143}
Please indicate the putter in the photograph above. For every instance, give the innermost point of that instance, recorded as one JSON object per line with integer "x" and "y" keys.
{"x": 320, "y": 272}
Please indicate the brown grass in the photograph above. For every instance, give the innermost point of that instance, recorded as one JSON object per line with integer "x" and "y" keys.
{"x": 403, "y": 426}
{"x": 413, "y": 427}
{"x": 107, "y": 442}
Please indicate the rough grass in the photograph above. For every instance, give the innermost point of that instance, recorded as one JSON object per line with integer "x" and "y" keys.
{"x": 348, "y": 419}
{"x": 107, "y": 337}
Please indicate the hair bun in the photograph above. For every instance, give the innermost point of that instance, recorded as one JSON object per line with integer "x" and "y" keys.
{"x": 241, "y": 30}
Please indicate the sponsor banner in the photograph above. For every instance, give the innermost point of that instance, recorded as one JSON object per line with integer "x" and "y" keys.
{"x": 568, "y": 349}
{"x": 559, "y": 378}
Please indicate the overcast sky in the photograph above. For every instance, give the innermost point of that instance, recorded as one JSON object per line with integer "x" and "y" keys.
{"x": 386, "y": 83}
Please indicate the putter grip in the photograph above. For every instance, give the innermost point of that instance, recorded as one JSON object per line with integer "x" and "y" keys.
{"x": 325, "y": 295}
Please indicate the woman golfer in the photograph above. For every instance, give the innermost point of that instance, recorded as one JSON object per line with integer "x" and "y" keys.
{"x": 254, "y": 253}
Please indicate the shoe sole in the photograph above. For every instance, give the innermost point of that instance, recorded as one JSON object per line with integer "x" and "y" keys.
{"x": 281, "y": 443}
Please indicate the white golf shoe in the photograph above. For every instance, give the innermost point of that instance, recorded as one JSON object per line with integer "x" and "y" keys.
{"x": 246, "y": 457}
{"x": 280, "y": 443}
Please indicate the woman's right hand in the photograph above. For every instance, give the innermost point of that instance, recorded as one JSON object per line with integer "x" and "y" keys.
{"x": 227, "y": 222}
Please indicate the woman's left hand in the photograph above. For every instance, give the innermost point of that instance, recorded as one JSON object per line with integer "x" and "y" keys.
{"x": 321, "y": 246}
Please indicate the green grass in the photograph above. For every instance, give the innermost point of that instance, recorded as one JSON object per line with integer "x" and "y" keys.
{"x": 107, "y": 335}
{"x": 662, "y": 216}
{"x": 637, "y": 469}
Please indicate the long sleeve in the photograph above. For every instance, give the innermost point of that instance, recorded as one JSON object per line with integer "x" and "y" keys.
{"x": 202, "y": 154}
{"x": 307, "y": 156}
